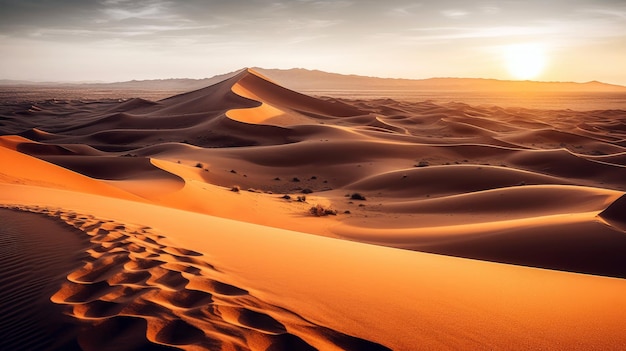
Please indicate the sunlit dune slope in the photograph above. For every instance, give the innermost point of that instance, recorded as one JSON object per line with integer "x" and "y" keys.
{"x": 328, "y": 293}
{"x": 31, "y": 171}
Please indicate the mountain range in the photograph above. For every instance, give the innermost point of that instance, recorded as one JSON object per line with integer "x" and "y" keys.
{"x": 305, "y": 80}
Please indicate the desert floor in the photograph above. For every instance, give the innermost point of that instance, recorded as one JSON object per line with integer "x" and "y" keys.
{"x": 246, "y": 216}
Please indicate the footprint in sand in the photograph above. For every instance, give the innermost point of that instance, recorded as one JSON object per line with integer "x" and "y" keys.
{"x": 143, "y": 294}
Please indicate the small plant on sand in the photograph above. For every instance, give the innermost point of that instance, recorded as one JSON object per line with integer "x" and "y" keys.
{"x": 199, "y": 165}
{"x": 320, "y": 211}
{"x": 301, "y": 198}
{"x": 357, "y": 196}
{"x": 235, "y": 188}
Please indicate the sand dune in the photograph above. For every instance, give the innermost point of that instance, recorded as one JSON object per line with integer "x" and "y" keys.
{"x": 444, "y": 225}
{"x": 281, "y": 105}
{"x": 495, "y": 304}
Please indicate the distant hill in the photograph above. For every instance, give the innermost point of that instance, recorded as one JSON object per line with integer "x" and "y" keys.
{"x": 313, "y": 80}
{"x": 11, "y": 82}
{"x": 172, "y": 84}
{"x": 310, "y": 80}
{"x": 180, "y": 84}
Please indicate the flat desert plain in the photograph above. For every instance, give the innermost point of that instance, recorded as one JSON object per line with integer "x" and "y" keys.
{"x": 247, "y": 216}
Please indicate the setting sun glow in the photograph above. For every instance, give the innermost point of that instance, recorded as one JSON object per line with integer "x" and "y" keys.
{"x": 524, "y": 61}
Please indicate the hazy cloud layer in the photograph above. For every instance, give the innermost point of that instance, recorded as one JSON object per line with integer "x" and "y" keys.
{"x": 125, "y": 39}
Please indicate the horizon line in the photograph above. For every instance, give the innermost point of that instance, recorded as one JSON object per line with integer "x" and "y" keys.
{"x": 87, "y": 82}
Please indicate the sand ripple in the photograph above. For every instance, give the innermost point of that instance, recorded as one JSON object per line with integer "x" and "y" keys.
{"x": 134, "y": 291}
{"x": 31, "y": 265}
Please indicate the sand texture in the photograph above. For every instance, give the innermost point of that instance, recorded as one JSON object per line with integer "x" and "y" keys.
{"x": 247, "y": 216}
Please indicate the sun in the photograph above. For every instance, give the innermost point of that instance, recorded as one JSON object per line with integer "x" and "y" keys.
{"x": 525, "y": 61}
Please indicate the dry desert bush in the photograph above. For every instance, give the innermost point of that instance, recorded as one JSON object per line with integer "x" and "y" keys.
{"x": 320, "y": 211}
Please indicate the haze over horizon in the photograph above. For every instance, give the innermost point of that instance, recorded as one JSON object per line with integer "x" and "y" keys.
{"x": 120, "y": 40}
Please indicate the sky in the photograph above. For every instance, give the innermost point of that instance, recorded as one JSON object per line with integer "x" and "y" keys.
{"x": 118, "y": 40}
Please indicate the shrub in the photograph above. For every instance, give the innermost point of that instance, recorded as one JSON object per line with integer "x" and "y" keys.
{"x": 235, "y": 189}
{"x": 199, "y": 165}
{"x": 357, "y": 196}
{"x": 320, "y": 211}
{"x": 301, "y": 198}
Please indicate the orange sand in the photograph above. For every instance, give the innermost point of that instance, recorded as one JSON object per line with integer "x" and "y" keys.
{"x": 476, "y": 226}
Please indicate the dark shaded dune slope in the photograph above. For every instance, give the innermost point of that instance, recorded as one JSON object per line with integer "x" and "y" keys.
{"x": 589, "y": 247}
{"x": 32, "y": 260}
{"x": 616, "y": 213}
{"x": 562, "y": 163}
{"x": 453, "y": 179}
{"x": 112, "y": 168}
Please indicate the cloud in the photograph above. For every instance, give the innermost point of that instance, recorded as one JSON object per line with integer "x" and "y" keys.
{"x": 404, "y": 11}
{"x": 331, "y": 4}
{"x": 619, "y": 14}
{"x": 454, "y": 14}
{"x": 490, "y": 32}
{"x": 155, "y": 11}
{"x": 490, "y": 10}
